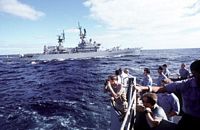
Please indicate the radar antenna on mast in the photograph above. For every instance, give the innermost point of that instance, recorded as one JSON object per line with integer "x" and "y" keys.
{"x": 61, "y": 38}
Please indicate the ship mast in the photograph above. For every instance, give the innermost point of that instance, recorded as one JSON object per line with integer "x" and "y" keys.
{"x": 61, "y": 38}
{"x": 63, "y": 35}
{"x": 82, "y": 34}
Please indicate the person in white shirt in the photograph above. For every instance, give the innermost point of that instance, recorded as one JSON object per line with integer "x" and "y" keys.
{"x": 166, "y": 70}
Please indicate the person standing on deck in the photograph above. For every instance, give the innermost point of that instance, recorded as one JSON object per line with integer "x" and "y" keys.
{"x": 118, "y": 74}
{"x": 184, "y": 73}
{"x": 123, "y": 77}
{"x": 161, "y": 76}
{"x": 147, "y": 80}
{"x": 166, "y": 71}
{"x": 126, "y": 77}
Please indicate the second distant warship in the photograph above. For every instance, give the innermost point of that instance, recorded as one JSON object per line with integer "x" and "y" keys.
{"x": 85, "y": 49}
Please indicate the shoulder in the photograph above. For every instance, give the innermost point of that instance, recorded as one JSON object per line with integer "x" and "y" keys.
{"x": 159, "y": 112}
{"x": 119, "y": 85}
{"x": 174, "y": 98}
{"x": 149, "y": 76}
{"x": 173, "y": 95}
{"x": 158, "y": 109}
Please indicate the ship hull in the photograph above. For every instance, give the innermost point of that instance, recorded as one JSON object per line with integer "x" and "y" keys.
{"x": 83, "y": 55}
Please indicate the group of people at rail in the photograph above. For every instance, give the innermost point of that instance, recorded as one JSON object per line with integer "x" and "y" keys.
{"x": 159, "y": 101}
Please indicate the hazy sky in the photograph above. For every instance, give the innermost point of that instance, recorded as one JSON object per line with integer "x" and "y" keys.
{"x": 27, "y": 25}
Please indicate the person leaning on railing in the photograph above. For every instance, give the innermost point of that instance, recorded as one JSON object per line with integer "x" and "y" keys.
{"x": 151, "y": 114}
{"x": 118, "y": 94}
{"x": 190, "y": 92}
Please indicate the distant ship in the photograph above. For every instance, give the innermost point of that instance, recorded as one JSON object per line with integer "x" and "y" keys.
{"x": 85, "y": 49}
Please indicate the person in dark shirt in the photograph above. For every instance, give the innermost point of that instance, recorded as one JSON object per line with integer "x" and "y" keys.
{"x": 183, "y": 72}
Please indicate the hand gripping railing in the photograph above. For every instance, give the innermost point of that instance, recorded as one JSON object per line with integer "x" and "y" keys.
{"x": 131, "y": 112}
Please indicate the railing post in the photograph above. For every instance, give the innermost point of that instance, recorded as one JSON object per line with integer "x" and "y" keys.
{"x": 126, "y": 124}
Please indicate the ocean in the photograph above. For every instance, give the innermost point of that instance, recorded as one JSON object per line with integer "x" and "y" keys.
{"x": 68, "y": 95}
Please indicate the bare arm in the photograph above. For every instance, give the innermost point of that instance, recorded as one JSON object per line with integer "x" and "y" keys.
{"x": 153, "y": 122}
{"x": 111, "y": 89}
{"x": 160, "y": 89}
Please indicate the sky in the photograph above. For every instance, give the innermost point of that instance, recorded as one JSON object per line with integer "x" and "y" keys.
{"x": 27, "y": 25}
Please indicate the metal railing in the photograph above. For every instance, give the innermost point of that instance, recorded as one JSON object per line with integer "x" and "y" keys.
{"x": 131, "y": 112}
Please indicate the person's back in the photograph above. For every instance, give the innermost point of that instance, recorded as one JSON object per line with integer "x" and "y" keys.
{"x": 190, "y": 92}
{"x": 170, "y": 103}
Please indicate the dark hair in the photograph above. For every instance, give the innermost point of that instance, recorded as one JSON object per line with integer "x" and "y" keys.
{"x": 164, "y": 65}
{"x": 195, "y": 66}
{"x": 151, "y": 97}
{"x": 113, "y": 77}
{"x": 117, "y": 72}
{"x": 120, "y": 70}
{"x": 147, "y": 70}
{"x": 160, "y": 68}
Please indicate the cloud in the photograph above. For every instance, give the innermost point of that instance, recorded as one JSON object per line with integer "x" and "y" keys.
{"x": 194, "y": 8}
{"x": 14, "y": 7}
{"x": 155, "y": 20}
{"x": 139, "y": 14}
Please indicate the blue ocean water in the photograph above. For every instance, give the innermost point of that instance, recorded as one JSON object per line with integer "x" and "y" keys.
{"x": 68, "y": 95}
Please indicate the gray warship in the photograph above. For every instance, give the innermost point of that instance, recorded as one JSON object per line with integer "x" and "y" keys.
{"x": 85, "y": 49}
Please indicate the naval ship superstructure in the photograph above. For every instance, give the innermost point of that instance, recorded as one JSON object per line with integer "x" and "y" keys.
{"x": 85, "y": 49}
